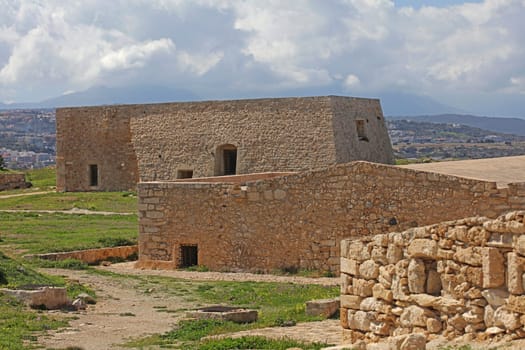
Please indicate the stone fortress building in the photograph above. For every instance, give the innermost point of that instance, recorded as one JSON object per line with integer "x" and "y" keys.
{"x": 260, "y": 184}
{"x": 112, "y": 148}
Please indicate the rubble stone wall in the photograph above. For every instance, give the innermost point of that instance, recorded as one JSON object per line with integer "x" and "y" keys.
{"x": 11, "y": 181}
{"x": 452, "y": 278}
{"x": 298, "y": 220}
{"x": 156, "y": 142}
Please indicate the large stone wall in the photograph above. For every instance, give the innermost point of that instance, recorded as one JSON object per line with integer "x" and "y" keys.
{"x": 299, "y": 219}
{"x": 453, "y": 278}
{"x": 154, "y": 142}
{"x": 11, "y": 181}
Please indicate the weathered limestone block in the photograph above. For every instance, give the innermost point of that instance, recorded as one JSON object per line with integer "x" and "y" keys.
{"x": 380, "y": 292}
{"x": 385, "y": 275}
{"x": 380, "y": 328}
{"x": 358, "y": 250}
{"x": 351, "y": 302}
{"x": 343, "y": 317}
{"x": 346, "y": 284}
{"x": 362, "y": 287}
{"x": 493, "y": 265}
{"x": 513, "y": 227}
{"x": 474, "y": 275}
{"x": 506, "y": 319}
{"x": 416, "y": 276}
{"x": 434, "y": 325}
{"x": 445, "y": 254}
{"x": 394, "y": 253}
{"x": 415, "y": 316}
{"x": 477, "y": 235}
{"x": 458, "y": 233}
{"x": 470, "y": 255}
{"x": 475, "y": 327}
{"x": 488, "y": 315}
{"x": 422, "y": 248}
{"x": 515, "y": 267}
{"x": 350, "y": 267}
{"x": 380, "y": 240}
{"x": 433, "y": 285}
{"x": 322, "y": 307}
{"x": 360, "y": 320}
{"x": 400, "y": 288}
{"x": 402, "y": 268}
{"x": 378, "y": 254}
{"x": 369, "y": 269}
{"x": 373, "y": 304}
{"x": 474, "y": 315}
{"x": 516, "y": 304}
{"x": 442, "y": 304}
{"x": 519, "y": 245}
{"x": 457, "y": 322}
{"x": 495, "y": 297}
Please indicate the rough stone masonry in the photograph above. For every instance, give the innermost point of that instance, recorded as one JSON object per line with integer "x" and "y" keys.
{"x": 459, "y": 278}
{"x": 111, "y": 148}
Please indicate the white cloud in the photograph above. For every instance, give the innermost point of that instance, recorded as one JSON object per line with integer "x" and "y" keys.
{"x": 351, "y": 81}
{"x": 199, "y": 64}
{"x": 365, "y": 45}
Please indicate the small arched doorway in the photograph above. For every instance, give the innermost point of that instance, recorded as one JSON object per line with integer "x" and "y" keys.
{"x": 226, "y": 160}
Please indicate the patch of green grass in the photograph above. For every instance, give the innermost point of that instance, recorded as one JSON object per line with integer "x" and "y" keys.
{"x": 188, "y": 333}
{"x": 278, "y": 304}
{"x": 198, "y": 268}
{"x": 19, "y": 325}
{"x": 42, "y": 178}
{"x": 23, "y": 233}
{"x": 455, "y": 347}
{"x": 274, "y": 300}
{"x": 14, "y": 274}
{"x": 70, "y": 264}
{"x": 256, "y": 342}
{"x": 118, "y": 202}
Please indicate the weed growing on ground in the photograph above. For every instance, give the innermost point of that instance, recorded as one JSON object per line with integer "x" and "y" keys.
{"x": 255, "y": 342}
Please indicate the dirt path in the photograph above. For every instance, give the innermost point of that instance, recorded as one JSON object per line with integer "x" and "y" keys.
{"x": 24, "y": 194}
{"x": 105, "y": 325}
{"x": 123, "y": 311}
{"x": 74, "y": 211}
{"x": 127, "y": 268}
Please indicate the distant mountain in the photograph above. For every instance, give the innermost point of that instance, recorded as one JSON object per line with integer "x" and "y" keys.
{"x": 124, "y": 95}
{"x": 514, "y": 126}
{"x": 102, "y": 95}
{"x": 395, "y": 104}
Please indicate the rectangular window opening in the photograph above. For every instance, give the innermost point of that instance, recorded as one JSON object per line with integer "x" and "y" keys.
{"x": 188, "y": 255}
{"x": 361, "y": 130}
{"x": 93, "y": 175}
{"x": 184, "y": 174}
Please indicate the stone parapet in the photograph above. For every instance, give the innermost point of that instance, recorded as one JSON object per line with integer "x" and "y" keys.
{"x": 457, "y": 278}
{"x": 91, "y": 256}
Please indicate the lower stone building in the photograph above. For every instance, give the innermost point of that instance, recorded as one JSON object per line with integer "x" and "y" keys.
{"x": 262, "y": 222}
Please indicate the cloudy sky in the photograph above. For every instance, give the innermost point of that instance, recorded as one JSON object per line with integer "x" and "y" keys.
{"x": 468, "y": 54}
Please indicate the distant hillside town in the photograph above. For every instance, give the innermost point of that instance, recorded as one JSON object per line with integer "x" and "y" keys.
{"x": 28, "y": 140}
